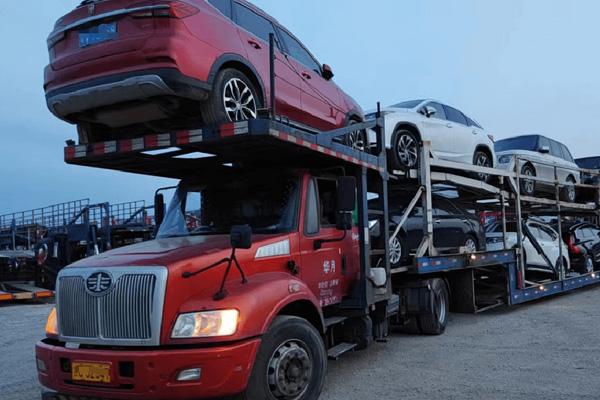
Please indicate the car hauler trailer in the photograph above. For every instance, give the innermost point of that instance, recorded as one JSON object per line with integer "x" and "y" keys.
{"x": 36, "y": 244}
{"x": 194, "y": 315}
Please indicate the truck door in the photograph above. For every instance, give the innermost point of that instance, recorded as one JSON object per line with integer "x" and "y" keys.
{"x": 327, "y": 270}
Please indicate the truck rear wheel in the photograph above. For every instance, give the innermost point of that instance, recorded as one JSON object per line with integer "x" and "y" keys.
{"x": 291, "y": 363}
{"x": 435, "y": 322}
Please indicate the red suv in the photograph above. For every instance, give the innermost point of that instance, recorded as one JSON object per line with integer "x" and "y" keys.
{"x": 124, "y": 67}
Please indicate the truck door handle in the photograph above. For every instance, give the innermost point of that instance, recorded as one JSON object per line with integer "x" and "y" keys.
{"x": 306, "y": 75}
{"x": 254, "y": 44}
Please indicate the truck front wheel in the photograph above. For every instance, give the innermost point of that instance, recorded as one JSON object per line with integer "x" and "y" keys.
{"x": 290, "y": 364}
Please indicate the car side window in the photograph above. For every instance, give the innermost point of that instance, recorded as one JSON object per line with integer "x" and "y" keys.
{"x": 452, "y": 114}
{"x": 252, "y": 22}
{"x": 222, "y": 5}
{"x": 439, "y": 110}
{"x": 566, "y": 153}
{"x": 327, "y": 201}
{"x": 546, "y": 234}
{"x": 440, "y": 209}
{"x": 543, "y": 142}
{"x": 298, "y": 52}
{"x": 473, "y": 123}
{"x": 311, "y": 217}
{"x": 555, "y": 149}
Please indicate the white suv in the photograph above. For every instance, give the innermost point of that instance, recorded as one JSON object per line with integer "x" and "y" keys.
{"x": 453, "y": 135}
{"x": 539, "y": 157}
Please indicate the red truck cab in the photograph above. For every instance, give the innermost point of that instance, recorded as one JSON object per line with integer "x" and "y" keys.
{"x": 188, "y": 316}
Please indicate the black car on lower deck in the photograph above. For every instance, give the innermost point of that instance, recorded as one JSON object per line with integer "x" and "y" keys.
{"x": 583, "y": 239}
{"x": 454, "y": 227}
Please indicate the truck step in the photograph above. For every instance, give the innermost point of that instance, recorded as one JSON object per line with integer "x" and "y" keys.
{"x": 336, "y": 352}
{"x": 334, "y": 321}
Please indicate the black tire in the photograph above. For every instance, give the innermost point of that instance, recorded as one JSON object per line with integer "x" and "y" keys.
{"x": 435, "y": 322}
{"x": 397, "y": 245}
{"x": 567, "y": 192}
{"x": 213, "y": 110}
{"x": 295, "y": 340}
{"x": 358, "y": 140}
{"x": 482, "y": 159}
{"x": 91, "y": 133}
{"x": 528, "y": 186}
{"x": 405, "y": 150}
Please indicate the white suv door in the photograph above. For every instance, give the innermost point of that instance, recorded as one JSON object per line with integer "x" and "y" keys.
{"x": 434, "y": 129}
{"x": 460, "y": 135}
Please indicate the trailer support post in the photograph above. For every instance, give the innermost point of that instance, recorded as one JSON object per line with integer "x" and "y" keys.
{"x": 519, "y": 221}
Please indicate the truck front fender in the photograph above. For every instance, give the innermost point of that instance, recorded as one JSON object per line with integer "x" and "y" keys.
{"x": 259, "y": 301}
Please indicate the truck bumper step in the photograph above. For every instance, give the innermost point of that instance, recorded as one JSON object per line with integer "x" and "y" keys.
{"x": 336, "y": 352}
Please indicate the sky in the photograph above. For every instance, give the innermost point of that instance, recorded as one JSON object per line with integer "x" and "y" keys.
{"x": 528, "y": 66}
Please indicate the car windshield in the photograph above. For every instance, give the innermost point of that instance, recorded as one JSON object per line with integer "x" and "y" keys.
{"x": 268, "y": 204}
{"x": 529, "y": 143}
{"x": 408, "y": 104}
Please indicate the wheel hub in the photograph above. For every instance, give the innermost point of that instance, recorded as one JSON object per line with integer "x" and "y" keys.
{"x": 407, "y": 150}
{"x": 395, "y": 250}
{"x": 290, "y": 370}
{"x": 238, "y": 100}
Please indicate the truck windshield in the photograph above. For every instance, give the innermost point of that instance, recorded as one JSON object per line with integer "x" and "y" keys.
{"x": 268, "y": 204}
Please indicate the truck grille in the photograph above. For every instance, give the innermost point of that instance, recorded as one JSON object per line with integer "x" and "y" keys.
{"x": 129, "y": 313}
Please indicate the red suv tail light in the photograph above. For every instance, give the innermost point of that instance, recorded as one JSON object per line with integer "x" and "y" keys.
{"x": 172, "y": 9}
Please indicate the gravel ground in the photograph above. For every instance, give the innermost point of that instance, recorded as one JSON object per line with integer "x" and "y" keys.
{"x": 545, "y": 350}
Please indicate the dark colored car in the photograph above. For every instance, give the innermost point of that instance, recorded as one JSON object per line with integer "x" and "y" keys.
{"x": 453, "y": 228}
{"x": 583, "y": 239}
{"x": 121, "y": 67}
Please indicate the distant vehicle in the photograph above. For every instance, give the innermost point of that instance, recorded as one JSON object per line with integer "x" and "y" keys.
{"x": 545, "y": 235}
{"x": 126, "y": 67}
{"x": 583, "y": 239}
{"x": 592, "y": 163}
{"x": 453, "y": 228}
{"x": 539, "y": 156}
{"x": 453, "y": 135}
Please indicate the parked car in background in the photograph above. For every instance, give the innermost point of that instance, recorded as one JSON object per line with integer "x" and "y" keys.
{"x": 453, "y": 135}
{"x": 454, "y": 228}
{"x": 124, "y": 67}
{"x": 583, "y": 239}
{"x": 539, "y": 157}
{"x": 546, "y": 237}
{"x": 591, "y": 163}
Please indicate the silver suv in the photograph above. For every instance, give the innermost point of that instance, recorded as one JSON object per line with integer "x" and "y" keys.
{"x": 540, "y": 157}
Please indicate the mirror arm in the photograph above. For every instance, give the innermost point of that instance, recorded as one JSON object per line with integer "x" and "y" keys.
{"x": 319, "y": 242}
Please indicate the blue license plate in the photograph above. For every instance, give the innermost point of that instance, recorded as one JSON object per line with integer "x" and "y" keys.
{"x": 98, "y": 34}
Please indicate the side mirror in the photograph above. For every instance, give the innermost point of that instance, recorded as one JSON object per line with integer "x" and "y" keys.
{"x": 159, "y": 209}
{"x": 327, "y": 72}
{"x": 430, "y": 111}
{"x": 346, "y": 202}
{"x": 241, "y": 237}
{"x": 545, "y": 150}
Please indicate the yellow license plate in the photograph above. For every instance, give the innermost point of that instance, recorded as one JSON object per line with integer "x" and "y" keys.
{"x": 91, "y": 372}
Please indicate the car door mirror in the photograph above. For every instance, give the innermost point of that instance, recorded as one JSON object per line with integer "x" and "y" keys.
{"x": 545, "y": 149}
{"x": 241, "y": 237}
{"x": 327, "y": 72}
{"x": 346, "y": 202}
{"x": 159, "y": 209}
{"x": 430, "y": 111}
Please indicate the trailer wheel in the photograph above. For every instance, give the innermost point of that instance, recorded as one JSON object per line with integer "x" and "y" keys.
{"x": 435, "y": 322}
{"x": 233, "y": 98}
{"x": 291, "y": 363}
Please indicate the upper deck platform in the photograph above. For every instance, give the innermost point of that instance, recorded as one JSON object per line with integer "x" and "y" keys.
{"x": 260, "y": 143}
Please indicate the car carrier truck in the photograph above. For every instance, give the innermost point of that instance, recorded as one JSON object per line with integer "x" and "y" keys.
{"x": 273, "y": 257}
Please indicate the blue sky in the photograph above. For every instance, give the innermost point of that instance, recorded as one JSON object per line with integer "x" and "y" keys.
{"x": 515, "y": 66}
